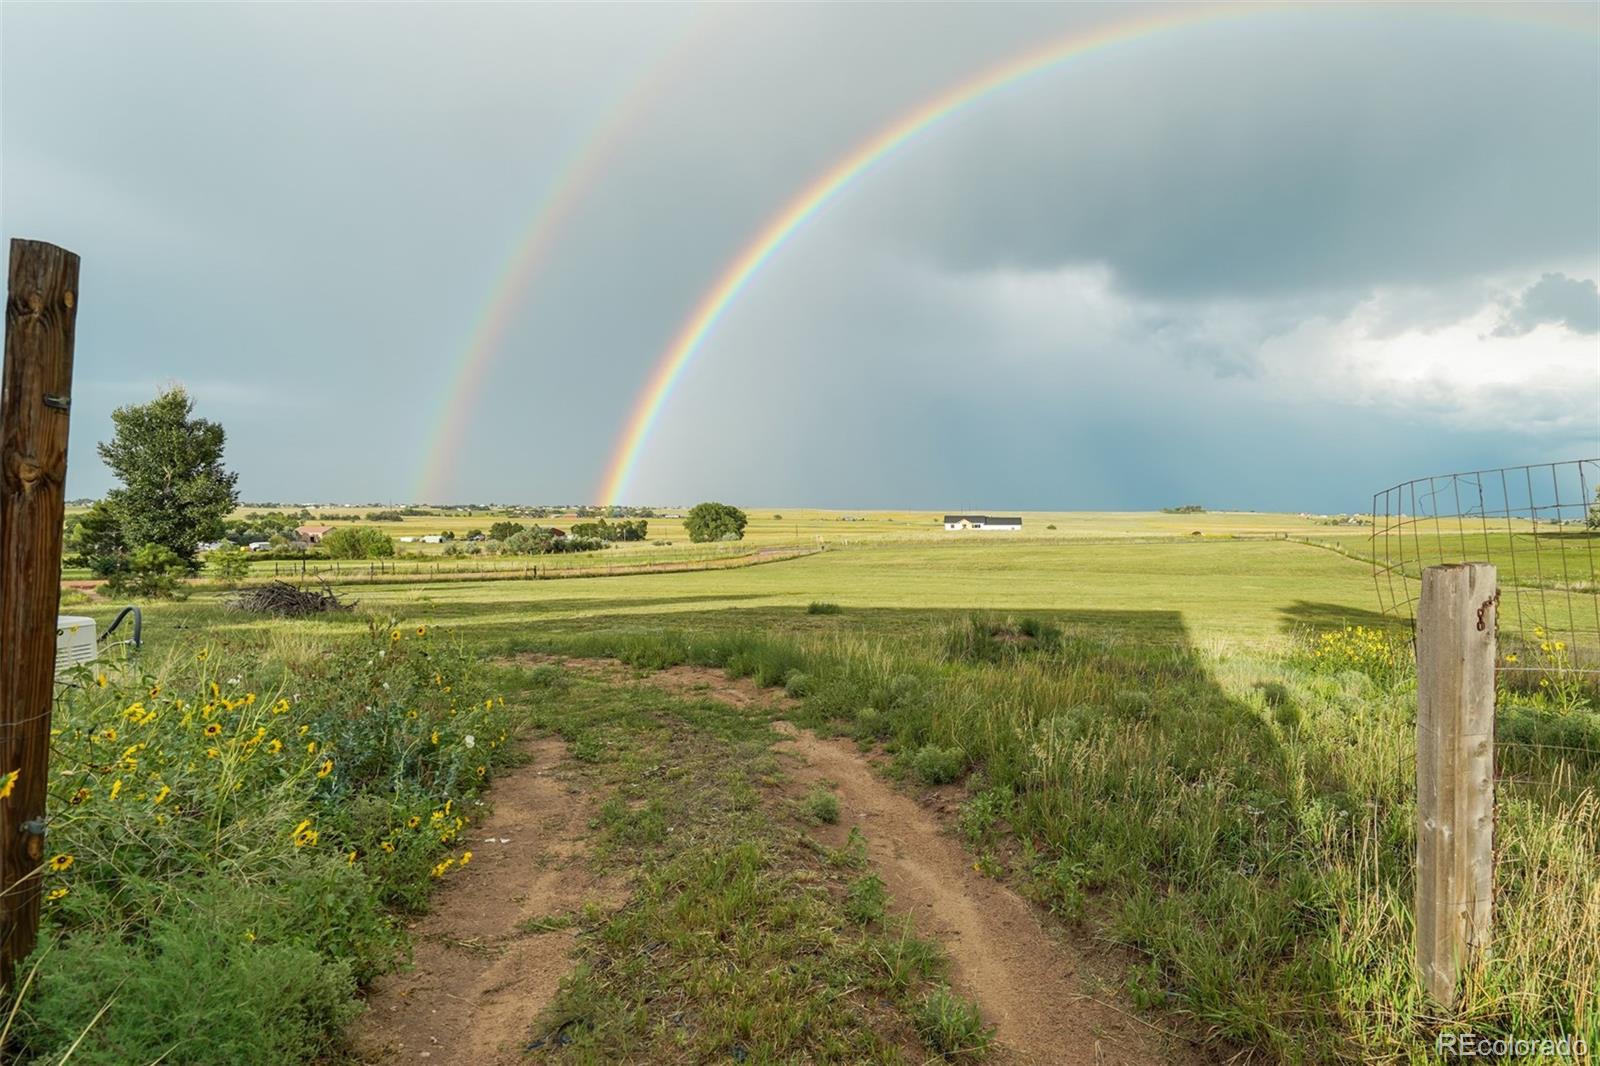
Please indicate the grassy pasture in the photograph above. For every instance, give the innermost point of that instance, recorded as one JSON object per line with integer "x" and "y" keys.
{"x": 1151, "y": 742}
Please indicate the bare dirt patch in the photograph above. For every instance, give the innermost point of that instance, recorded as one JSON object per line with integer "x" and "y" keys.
{"x": 477, "y": 981}
{"x": 685, "y": 681}
{"x": 1030, "y": 982}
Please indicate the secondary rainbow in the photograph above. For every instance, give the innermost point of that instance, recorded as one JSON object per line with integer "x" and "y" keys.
{"x": 529, "y": 253}
{"x": 829, "y": 184}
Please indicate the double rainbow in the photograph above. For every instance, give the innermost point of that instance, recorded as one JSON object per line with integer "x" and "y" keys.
{"x": 812, "y": 199}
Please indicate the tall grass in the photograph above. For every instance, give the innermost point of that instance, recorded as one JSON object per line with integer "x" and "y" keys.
{"x": 1244, "y": 818}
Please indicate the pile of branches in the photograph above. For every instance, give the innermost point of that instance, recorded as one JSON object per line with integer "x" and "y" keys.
{"x": 286, "y": 601}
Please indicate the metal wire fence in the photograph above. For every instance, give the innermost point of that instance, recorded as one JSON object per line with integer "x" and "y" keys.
{"x": 1539, "y": 525}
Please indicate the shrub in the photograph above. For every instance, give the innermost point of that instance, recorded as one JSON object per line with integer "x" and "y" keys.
{"x": 865, "y": 899}
{"x": 153, "y": 572}
{"x": 227, "y": 835}
{"x": 819, "y": 607}
{"x": 952, "y": 1025}
{"x": 358, "y": 542}
{"x": 797, "y": 685}
{"x": 228, "y": 563}
{"x": 938, "y": 766}
{"x": 822, "y": 805}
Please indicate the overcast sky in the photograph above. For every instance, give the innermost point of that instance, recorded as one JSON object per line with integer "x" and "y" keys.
{"x": 1275, "y": 262}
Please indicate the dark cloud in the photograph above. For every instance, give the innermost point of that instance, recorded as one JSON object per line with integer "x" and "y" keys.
{"x": 283, "y": 203}
{"x": 1556, "y": 300}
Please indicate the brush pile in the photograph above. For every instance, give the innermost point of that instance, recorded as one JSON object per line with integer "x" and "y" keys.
{"x": 286, "y": 601}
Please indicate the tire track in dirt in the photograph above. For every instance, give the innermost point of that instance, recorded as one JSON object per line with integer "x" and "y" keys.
{"x": 477, "y": 983}
{"x": 1030, "y": 982}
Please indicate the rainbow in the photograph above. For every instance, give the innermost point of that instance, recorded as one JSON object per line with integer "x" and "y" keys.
{"x": 814, "y": 197}
{"x": 529, "y": 252}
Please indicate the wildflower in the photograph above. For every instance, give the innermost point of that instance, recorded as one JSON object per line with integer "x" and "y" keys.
{"x": 56, "y": 893}
{"x": 311, "y": 748}
{"x": 435, "y": 737}
{"x": 8, "y": 783}
{"x": 1511, "y": 658}
{"x": 274, "y": 745}
{"x": 100, "y": 679}
{"x": 413, "y": 822}
{"x": 162, "y": 795}
{"x": 488, "y": 704}
{"x": 480, "y": 772}
{"x": 466, "y": 857}
{"x": 469, "y": 740}
{"x": 387, "y": 846}
{"x": 438, "y": 679}
{"x": 437, "y": 817}
{"x": 61, "y": 862}
{"x": 216, "y": 691}
{"x": 214, "y": 729}
{"x": 202, "y": 655}
{"x": 110, "y": 734}
{"x": 304, "y": 730}
{"x": 350, "y": 859}
{"x": 326, "y": 768}
{"x": 212, "y": 753}
{"x": 394, "y": 637}
{"x": 1561, "y": 645}
{"x": 155, "y": 690}
{"x": 422, "y": 631}
{"x": 304, "y": 836}
{"x": 249, "y": 936}
{"x": 440, "y": 870}
{"x": 280, "y": 707}
{"x": 116, "y": 788}
{"x": 80, "y": 797}
{"x": 411, "y": 715}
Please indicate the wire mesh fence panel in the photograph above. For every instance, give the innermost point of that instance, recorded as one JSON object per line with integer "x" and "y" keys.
{"x": 1539, "y": 525}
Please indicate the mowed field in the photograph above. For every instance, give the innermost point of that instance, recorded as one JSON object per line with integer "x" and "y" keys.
{"x": 1258, "y": 591}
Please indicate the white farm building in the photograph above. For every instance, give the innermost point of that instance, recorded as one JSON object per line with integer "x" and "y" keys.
{"x": 983, "y": 522}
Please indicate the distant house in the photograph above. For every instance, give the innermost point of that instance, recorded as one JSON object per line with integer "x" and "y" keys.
{"x": 433, "y": 538}
{"x": 409, "y": 540}
{"x": 312, "y": 534}
{"x": 985, "y": 522}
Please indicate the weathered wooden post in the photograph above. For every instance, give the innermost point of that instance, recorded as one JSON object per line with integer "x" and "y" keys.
{"x": 1456, "y": 622}
{"x": 41, "y": 310}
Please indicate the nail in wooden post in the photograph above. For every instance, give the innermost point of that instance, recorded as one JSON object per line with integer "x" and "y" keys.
{"x": 1456, "y": 619}
{"x": 41, "y": 310}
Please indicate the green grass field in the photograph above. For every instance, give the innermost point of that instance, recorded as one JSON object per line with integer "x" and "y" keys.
{"x": 1200, "y": 748}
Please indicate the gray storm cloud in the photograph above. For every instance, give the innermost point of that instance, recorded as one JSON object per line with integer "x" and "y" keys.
{"x": 305, "y": 211}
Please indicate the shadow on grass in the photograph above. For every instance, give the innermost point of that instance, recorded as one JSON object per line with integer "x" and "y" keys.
{"x": 1304, "y": 614}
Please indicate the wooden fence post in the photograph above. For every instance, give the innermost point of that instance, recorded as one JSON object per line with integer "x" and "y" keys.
{"x": 41, "y": 310}
{"x": 1456, "y": 620}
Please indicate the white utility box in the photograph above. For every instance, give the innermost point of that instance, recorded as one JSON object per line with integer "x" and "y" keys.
{"x": 75, "y": 642}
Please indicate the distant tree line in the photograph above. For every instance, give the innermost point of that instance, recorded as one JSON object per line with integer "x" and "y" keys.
{"x": 1188, "y": 508}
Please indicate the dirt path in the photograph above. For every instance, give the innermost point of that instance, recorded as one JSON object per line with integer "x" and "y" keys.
{"x": 1030, "y": 983}
{"x": 1036, "y": 987}
{"x": 477, "y": 983}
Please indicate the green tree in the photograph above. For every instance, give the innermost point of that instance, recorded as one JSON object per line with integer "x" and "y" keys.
{"x": 358, "y": 542}
{"x": 1593, "y": 521}
{"x": 96, "y": 541}
{"x": 505, "y": 530}
{"x": 715, "y": 521}
{"x": 228, "y": 563}
{"x": 175, "y": 492}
